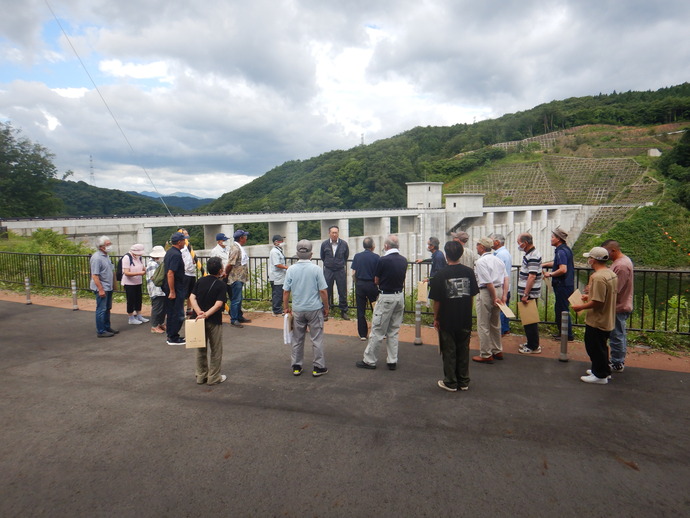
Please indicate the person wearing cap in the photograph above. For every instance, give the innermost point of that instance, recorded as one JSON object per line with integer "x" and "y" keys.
{"x": 600, "y": 303}
{"x": 493, "y": 287}
{"x": 503, "y": 254}
{"x": 276, "y": 274}
{"x": 388, "y": 313}
{"x": 334, "y": 254}
{"x": 173, "y": 287}
{"x": 622, "y": 266}
{"x": 221, "y": 249}
{"x": 102, "y": 283}
{"x": 452, "y": 290}
{"x": 562, "y": 276}
{"x": 306, "y": 283}
{"x": 469, "y": 256}
{"x": 529, "y": 288}
{"x": 156, "y": 294}
{"x": 132, "y": 279}
{"x": 237, "y": 272}
{"x": 363, "y": 271}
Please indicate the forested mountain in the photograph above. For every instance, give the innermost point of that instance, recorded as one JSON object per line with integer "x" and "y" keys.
{"x": 374, "y": 176}
{"x": 183, "y": 201}
{"x": 82, "y": 199}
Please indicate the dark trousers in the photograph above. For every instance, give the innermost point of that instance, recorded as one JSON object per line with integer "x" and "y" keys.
{"x": 505, "y": 321}
{"x": 277, "y": 298}
{"x": 340, "y": 279}
{"x": 455, "y": 352}
{"x": 598, "y": 351}
{"x": 174, "y": 309}
{"x": 532, "y": 334}
{"x": 365, "y": 291}
{"x": 133, "y": 295}
{"x": 562, "y": 293}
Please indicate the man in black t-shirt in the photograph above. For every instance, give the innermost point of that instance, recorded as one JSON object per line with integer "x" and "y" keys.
{"x": 173, "y": 287}
{"x": 208, "y": 300}
{"x": 452, "y": 290}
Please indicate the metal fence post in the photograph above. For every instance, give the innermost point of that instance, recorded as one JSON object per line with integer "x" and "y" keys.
{"x": 75, "y": 306}
{"x": 418, "y": 323}
{"x": 564, "y": 336}
{"x": 27, "y": 287}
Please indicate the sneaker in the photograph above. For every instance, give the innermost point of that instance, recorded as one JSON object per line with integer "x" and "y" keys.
{"x": 442, "y": 385}
{"x": 364, "y": 365}
{"x": 589, "y": 372}
{"x": 141, "y": 318}
{"x": 245, "y": 320}
{"x": 617, "y": 367}
{"x": 105, "y": 334}
{"x": 176, "y": 341}
{"x": 157, "y": 329}
{"x": 134, "y": 321}
{"x": 236, "y": 324}
{"x": 392, "y": 366}
{"x": 363, "y": 338}
{"x": 345, "y": 316}
{"x": 223, "y": 377}
{"x": 111, "y": 330}
{"x": 523, "y": 349}
{"x": 464, "y": 388}
{"x": 318, "y": 371}
{"x": 296, "y": 370}
{"x": 591, "y": 378}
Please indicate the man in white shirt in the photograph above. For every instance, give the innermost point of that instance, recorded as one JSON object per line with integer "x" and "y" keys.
{"x": 493, "y": 288}
{"x": 221, "y": 249}
{"x": 276, "y": 274}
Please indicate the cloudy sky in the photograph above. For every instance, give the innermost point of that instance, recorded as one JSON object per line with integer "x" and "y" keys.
{"x": 206, "y": 95}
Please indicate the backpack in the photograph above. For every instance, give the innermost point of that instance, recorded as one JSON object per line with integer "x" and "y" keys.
{"x": 158, "y": 276}
{"x": 118, "y": 270}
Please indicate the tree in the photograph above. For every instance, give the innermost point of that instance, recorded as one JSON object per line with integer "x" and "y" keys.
{"x": 25, "y": 173}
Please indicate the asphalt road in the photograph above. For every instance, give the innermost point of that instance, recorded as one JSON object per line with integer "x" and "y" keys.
{"x": 118, "y": 427}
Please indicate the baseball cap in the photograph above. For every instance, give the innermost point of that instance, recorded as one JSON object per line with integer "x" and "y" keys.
{"x": 278, "y": 238}
{"x": 177, "y": 237}
{"x": 239, "y": 233}
{"x": 304, "y": 249}
{"x": 221, "y": 237}
{"x": 598, "y": 253}
{"x": 486, "y": 242}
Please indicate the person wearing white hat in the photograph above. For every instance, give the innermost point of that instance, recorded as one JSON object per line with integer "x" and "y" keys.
{"x": 156, "y": 294}
{"x": 132, "y": 274}
{"x": 600, "y": 303}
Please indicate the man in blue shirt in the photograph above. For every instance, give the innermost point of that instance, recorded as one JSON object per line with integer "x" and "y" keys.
{"x": 363, "y": 271}
{"x": 437, "y": 260}
{"x": 562, "y": 276}
{"x": 503, "y": 254}
{"x": 102, "y": 283}
{"x": 305, "y": 281}
{"x": 388, "y": 313}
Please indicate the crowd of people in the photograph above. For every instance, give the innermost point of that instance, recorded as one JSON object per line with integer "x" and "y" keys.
{"x": 463, "y": 277}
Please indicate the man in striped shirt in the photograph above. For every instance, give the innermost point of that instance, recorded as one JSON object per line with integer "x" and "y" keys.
{"x": 529, "y": 287}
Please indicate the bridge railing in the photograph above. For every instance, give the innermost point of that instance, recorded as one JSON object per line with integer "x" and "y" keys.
{"x": 661, "y": 297}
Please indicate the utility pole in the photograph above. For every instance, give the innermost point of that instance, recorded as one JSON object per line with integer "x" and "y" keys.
{"x": 92, "y": 176}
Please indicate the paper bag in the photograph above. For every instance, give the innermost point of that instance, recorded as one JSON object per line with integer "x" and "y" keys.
{"x": 195, "y": 333}
{"x": 422, "y": 292}
{"x": 528, "y": 312}
{"x": 506, "y": 311}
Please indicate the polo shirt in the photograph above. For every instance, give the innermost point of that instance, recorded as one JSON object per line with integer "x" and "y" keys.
{"x": 102, "y": 266}
{"x": 564, "y": 255}
{"x": 602, "y": 288}
{"x": 391, "y": 271}
{"x": 364, "y": 265}
{"x": 304, "y": 280}
{"x": 531, "y": 263}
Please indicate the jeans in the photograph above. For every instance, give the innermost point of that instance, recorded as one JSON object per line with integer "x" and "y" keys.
{"x": 235, "y": 289}
{"x": 618, "y": 341}
{"x": 277, "y": 298}
{"x": 562, "y": 293}
{"x": 103, "y": 307}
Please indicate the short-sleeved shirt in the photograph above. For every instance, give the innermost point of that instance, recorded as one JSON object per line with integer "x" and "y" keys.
{"x": 623, "y": 268}
{"x": 391, "y": 271}
{"x": 504, "y": 255}
{"x": 239, "y": 261}
{"x": 134, "y": 265}
{"x": 603, "y": 285}
{"x": 151, "y": 267}
{"x": 490, "y": 270}
{"x": 222, "y": 252}
{"x": 275, "y": 274}
{"x": 531, "y": 263}
{"x": 453, "y": 287}
{"x": 364, "y": 264}
{"x": 305, "y": 280}
{"x": 102, "y": 266}
{"x": 209, "y": 290}
{"x": 564, "y": 255}
{"x": 173, "y": 261}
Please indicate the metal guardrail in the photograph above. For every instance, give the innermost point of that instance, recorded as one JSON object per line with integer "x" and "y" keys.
{"x": 661, "y": 298}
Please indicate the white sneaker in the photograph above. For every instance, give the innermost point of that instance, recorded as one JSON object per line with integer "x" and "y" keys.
{"x": 589, "y": 371}
{"x": 523, "y": 349}
{"x": 141, "y": 318}
{"x": 593, "y": 379}
{"x": 134, "y": 321}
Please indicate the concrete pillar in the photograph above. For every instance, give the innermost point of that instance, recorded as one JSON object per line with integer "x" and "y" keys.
{"x": 408, "y": 224}
{"x": 210, "y": 232}
{"x": 377, "y": 226}
{"x": 287, "y": 229}
{"x": 145, "y": 237}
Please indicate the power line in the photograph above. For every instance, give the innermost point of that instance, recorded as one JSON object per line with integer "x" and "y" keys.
{"x": 122, "y": 132}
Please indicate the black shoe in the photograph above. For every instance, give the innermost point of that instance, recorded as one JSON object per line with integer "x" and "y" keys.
{"x": 176, "y": 341}
{"x": 244, "y": 320}
{"x": 392, "y": 366}
{"x": 364, "y": 365}
{"x": 105, "y": 334}
{"x": 236, "y": 324}
{"x": 318, "y": 371}
{"x": 296, "y": 370}
{"x": 345, "y": 316}
{"x": 111, "y": 330}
